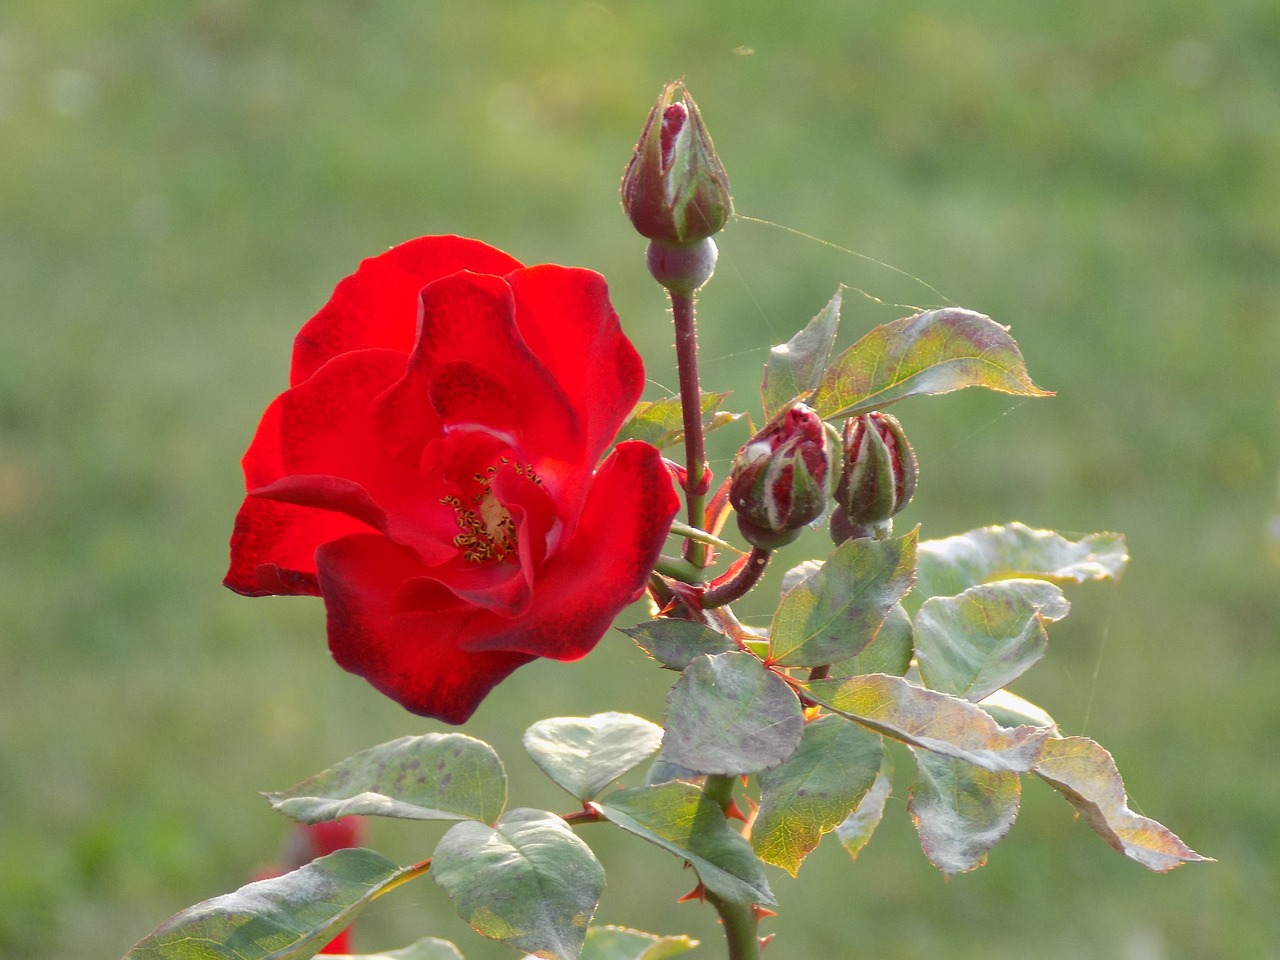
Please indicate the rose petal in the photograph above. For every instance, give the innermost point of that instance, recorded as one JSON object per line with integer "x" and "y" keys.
{"x": 273, "y": 547}
{"x": 410, "y": 656}
{"x": 377, "y": 306}
{"x": 602, "y": 569}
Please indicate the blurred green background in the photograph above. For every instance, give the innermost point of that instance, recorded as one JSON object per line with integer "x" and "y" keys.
{"x": 182, "y": 183}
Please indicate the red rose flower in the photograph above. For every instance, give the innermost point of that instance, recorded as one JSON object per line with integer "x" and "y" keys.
{"x": 434, "y": 473}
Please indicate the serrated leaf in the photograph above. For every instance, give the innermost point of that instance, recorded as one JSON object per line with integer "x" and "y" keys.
{"x": 858, "y": 827}
{"x": 677, "y": 643}
{"x": 586, "y": 754}
{"x": 973, "y": 644}
{"x": 681, "y": 819}
{"x": 728, "y": 714}
{"x": 929, "y": 720}
{"x": 961, "y": 811}
{"x": 663, "y": 772}
{"x": 834, "y": 613}
{"x": 620, "y": 943}
{"x": 428, "y": 948}
{"x": 437, "y": 776}
{"x": 890, "y": 651}
{"x": 795, "y": 368}
{"x": 933, "y": 352}
{"x": 283, "y": 918}
{"x": 1085, "y": 773}
{"x": 949, "y": 566}
{"x": 814, "y": 790}
{"x": 661, "y": 422}
{"x": 528, "y": 881}
{"x": 1010, "y": 710}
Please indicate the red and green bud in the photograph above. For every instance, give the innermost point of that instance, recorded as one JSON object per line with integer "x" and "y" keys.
{"x": 878, "y": 477}
{"x": 781, "y": 477}
{"x": 675, "y": 189}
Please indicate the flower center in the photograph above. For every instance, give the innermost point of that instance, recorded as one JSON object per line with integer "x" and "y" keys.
{"x": 487, "y": 530}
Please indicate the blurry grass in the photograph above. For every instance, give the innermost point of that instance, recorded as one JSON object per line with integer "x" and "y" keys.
{"x": 183, "y": 183}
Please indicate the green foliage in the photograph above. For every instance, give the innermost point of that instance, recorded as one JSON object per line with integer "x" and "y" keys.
{"x": 619, "y": 943}
{"x": 586, "y": 754}
{"x": 428, "y": 948}
{"x": 855, "y": 832}
{"x": 795, "y": 368}
{"x": 437, "y": 776}
{"x": 960, "y": 810}
{"x": 283, "y": 918}
{"x": 727, "y": 714}
{"x": 933, "y": 352}
{"x": 677, "y": 643}
{"x": 661, "y": 422}
{"x": 527, "y": 881}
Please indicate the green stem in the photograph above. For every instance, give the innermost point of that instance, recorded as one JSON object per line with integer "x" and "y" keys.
{"x": 740, "y": 927}
{"x": 682, "y": 309}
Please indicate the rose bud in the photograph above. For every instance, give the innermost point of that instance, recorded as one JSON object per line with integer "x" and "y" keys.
{"x": 878, "y": 478}
{"x": 781, "y": 477}
{"x": 675, "y": 189}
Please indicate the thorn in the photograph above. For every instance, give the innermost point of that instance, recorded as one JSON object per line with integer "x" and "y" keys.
{"x": 735, "y": 812}
{"x": 698, "y": 893}
{"x": 762, "y": 912}
{"x": 765, "y": 941}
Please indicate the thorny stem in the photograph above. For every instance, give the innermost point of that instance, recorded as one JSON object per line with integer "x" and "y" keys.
{"x": 682, "y": 310}
{"x": 747, "y": 578}
{"x": 740, "y": 920}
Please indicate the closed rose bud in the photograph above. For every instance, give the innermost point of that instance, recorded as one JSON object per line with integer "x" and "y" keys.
{"x": 878, "y": 477}
{"x": 675, "y": 189}
{"x": 781, "y": 477}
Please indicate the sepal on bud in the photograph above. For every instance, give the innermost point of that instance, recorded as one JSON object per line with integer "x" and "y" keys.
{"x": 675, "y": 190}
{"x": 877, "y": 480}
{"x": 781, "y": 477}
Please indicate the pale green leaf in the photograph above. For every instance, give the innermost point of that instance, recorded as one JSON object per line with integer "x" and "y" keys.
{"x": 436, "y": 776}
{"x": 677, "y": 643}
{"x": 795, "y": 368}
{"x": 620, "y": 943}
{"x": 933, "y": 352}
{"x": 1010, "y": 710}
{"x": 661, "y": 422}
{"x": 890, "y": 651}
{"x": 586, "y": 754}
{"x": 961, "y": 811}
{"x": 858, "y": 827}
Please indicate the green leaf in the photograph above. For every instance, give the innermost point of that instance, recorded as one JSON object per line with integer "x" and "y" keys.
{"x": 528, "y": 881}
{"x": 858, "y": 827}
{"x": 677, "y": 643}
{"x": 951, "y": 566}
{"x": 933, "y": 352}
{"x": 961, "y": 811}
{"x": 586, "y": 754}
{"x": 428, "y": 948}
{"x": 619, "y": 943}
{"x": 282, "y": 918}
{"x": 814, "y": 790}
{"x": 834, "y": 613}
{"x": 661, "y": 422}
{"x": 973, "y": 644}
{"x": 728, "y": 714}
{"x": 889, "y": 652}
{"x": 1083, "y": 772}
{"x": 437, "y": 776}
{"x": 795, "y": 368}
{"x": 1010, "y": 710}
{"x": 681, "y": 819}
{"x": 929, "y": 720}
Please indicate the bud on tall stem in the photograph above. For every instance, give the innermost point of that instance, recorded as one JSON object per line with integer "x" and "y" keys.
{"x": 877, "y": 480}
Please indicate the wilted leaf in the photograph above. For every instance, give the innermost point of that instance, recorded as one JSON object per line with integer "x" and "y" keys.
{"x": 814, "y": 790}
{"x": 795, "y": 367}
{"x": 961, "y": 811}
{"x": 1083, "y": 772}
{"x": 428, "y": 948}
{"x": 728, "y": 714}
{"x": 681, "y": 819}
{"x": 619, "y": 943}
{"x": 950, "y": 566}
{"x": 282, "y": 918}
{"x": 437, "y": 776}
{"x": 973, "y": 644}
{"x": 677, "y": 643}
{"x": 858, "y": 827}
{"x": 835, "y": 612}
{"x": 929, "y": 720}
{"x": 1010, "y": 710}
{"x": 586, "y": 754}
{"x": 889, "y": 652}
{"x": 933, "y": 352}
{"x": 527, "y": 881}
{"x": 661, "y": 422}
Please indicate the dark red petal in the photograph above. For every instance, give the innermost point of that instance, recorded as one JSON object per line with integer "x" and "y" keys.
{"x": 472, "y": 366}
{"x": 377, "y": 306}
{"x": 273, "y": 547}
{"x": 566, "y": 318}
{"x": 411, "y": 656}
{"x": 605, "y": 566}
